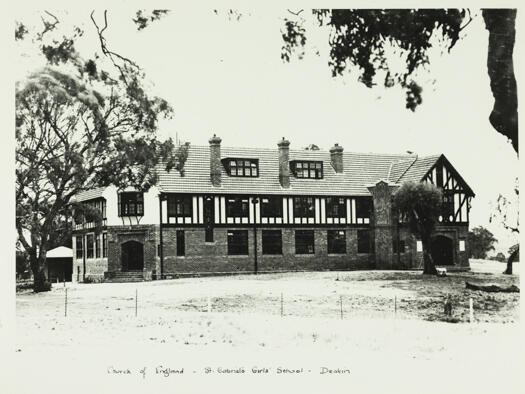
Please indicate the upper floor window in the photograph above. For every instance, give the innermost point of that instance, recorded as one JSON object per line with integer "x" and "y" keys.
{"x": 131, "y": 204}
{"x": 90, "y": 211}
{"x": 303, "y": 207}
{"x": 363, "y": 208}
{"x": 237, "y": 207}
{"x": 180, "y": 205}
{"x": 448, "y": 207}
{"x": 242, "y": 167}
{"x": 272, "y": 206}
{"x": 336, "y": 207}
{"x": 307, "y": 169}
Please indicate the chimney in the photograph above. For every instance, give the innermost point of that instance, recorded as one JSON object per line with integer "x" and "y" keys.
{"x": 336, "y": 157}
{"x": 215, "y": 160}
{"x": 284, "y": 162}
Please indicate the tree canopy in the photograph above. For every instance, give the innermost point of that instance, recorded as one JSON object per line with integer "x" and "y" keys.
{"x": 419, "y": 204}
{"x": 480, "y": 241}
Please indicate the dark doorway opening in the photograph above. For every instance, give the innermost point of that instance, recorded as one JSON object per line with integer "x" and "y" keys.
{"x": 442, "y": 250}
{"x": 132, "y": 256}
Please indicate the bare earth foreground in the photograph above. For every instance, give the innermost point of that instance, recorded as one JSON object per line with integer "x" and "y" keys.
{"x": 375, "y": 330}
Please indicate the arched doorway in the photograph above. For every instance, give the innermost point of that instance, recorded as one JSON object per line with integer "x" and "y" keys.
{"x": 132, "y": 256}
{"x": 442, "y": 250}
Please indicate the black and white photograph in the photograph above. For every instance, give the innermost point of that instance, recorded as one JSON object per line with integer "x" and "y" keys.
{"x": 252, "y": 198}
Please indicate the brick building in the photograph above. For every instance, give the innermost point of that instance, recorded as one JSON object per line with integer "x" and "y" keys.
{"x": 259, "y": 210}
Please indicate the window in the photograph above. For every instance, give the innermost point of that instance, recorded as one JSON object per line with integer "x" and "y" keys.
{"x": 364, "y": 242}
{"x": 181, "y": 244}
{"x": 237, "y": 242}
{"x": 131, "y": 204}
{"x": 307, "y": 169}
{"x": 461, "y": 245}
{"x": 363, "y": 209}
{"x": 336, "y": 241}
{"x": 237, "y": 207}
{"x": 272, "y": 242}
{"x": 104, "y": 245}
{"x": 241, "y": 167}
{"x": 272, "y": 206}
{"x": 448, "y": 207}
{"x": 208, "y": 236}
{"x": 80, "y": 248}
{"x": 401, "y": 246}
{"x": 304, "y": 242}
{"x": 419, "y": 246}
{"x": 97, "y": 246}
{"x": 336, "y": 207}
{"x": 89, "y": 246}
{"x": 303, "y": 207}
{"x": 180, "y": 205}
{"x": 93, "y": 209}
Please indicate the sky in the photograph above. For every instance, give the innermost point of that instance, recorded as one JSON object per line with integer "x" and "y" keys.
{"x": 226, "y": 77}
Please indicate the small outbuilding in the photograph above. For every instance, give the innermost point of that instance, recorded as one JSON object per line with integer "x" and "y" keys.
{"x": 59, "y": 264}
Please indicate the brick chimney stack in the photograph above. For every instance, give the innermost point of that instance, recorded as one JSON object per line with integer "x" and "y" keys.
{"x": 215, "y": 160}
{"x": 336, "y": 157}
{"x": 284, "y": 162}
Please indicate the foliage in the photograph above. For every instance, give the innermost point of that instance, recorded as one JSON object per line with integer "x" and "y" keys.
{"x": 142, "y": 20}
{"x": 515, "y": 249}
{"x": 420, "y": 204}
{"x": 22, "y": 262}
{"x": 499, "y": 257}
{"x": 80, "y": 125}
{"x": 311, "y": 147}
{"x": 361, "y": 38}
{"x": 507, "y": 211}
{"x": 480, "y": 241}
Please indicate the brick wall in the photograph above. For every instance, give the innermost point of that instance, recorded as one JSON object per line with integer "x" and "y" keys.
{"x": 201, "y": 257}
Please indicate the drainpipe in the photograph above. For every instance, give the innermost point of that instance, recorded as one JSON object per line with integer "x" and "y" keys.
{"x": 255, "y": 200}
{"x": 161, "y": 246}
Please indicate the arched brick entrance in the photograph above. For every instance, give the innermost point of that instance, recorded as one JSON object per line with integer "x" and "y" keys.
{"x": 132, "y": 256}
{"x": 442, "y": 250}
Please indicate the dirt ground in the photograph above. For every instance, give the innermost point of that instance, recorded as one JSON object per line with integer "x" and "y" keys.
{"x": 388, "y": 319}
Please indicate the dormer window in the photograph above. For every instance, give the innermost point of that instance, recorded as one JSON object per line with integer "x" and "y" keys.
{"x": 241, "y": 167}
{"x": 307, "y": 169}
{"x": 131, "y": 204}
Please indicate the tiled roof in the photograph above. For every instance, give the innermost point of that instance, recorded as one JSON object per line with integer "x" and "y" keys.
{"x": 360, "y": 170}
{"x": 89, "y": 194}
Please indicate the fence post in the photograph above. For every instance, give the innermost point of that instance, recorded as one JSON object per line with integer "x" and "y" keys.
{"x": 341, "y": 302}
{"x": 136, "y": 301}
{"x": 471, "y": 307}
{"x": 65, "y": 304}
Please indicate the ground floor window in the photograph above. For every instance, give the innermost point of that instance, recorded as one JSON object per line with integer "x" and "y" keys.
{"x": 364, "y": 242}
{"x": 80, "y": 247}
{"x": 336, "y": 241}
{"x": 272, "y": 242}
{"x": 401, "y": 244}
{"x": 97, "y": 246}
{"x": 304, "y": 242}
{"x": 181, "y": 244}
{"x": 238, "y": 242}
{"x": 208, "y": 236}
{"x": 89, "y": 246}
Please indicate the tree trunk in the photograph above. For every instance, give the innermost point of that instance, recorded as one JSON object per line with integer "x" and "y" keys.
{"x": 511, "y": 259}
{"x": 38, "y": 267}
{"x": 504, "y": 116}
{"x": 428, "y": 262}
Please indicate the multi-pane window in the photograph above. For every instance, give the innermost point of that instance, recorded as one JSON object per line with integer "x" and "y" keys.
{"x": 399, "y": 246}
{"x": 336, "y": 241}
{"x": 104, "y": 244}
{"x": 80, "y": 247}
{"x": 181, "y": 243}
{"x": 336, "y": 207}
{"x": 448, "y": 207}
{"x": 304, "y": 242}
{"x": 97, "y": 246}
{"x": 237, "y": 242}
{"x": 307, "y": 169}
{"x": 242, "y": 167}
{"x": 272, "y": 242}
{"x": 237, "y": 207}
{"x": 91, "y": 210}
{"x": 364, "y": 241}
{"x": 180, "y": 205}
{"x": 303, "y": 207}
{"x": 272, "y": 206}
{"x": 89, "y": 246}
{"x": 363, "y": 208}
{"x": 131, "y": 204}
